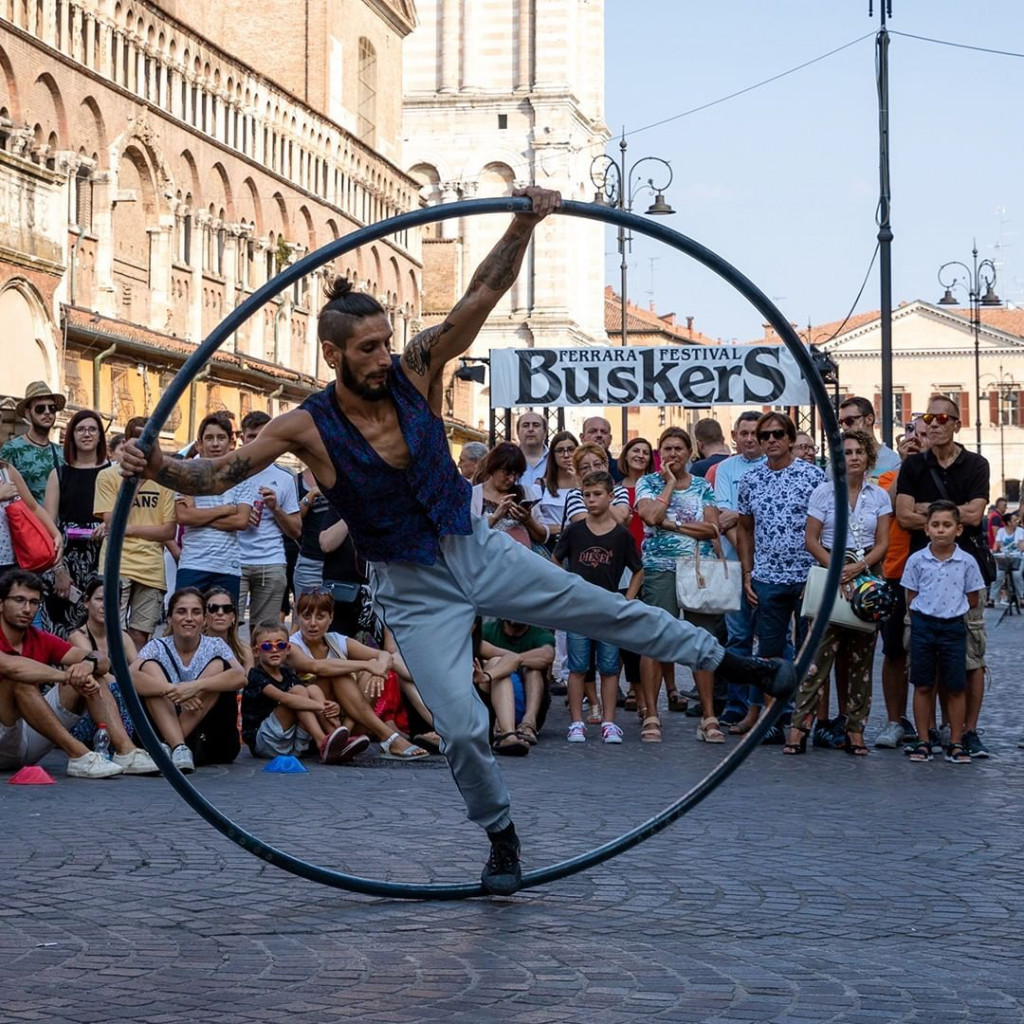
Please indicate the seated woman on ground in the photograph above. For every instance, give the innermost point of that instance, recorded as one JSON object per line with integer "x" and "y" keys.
{"x": 492, "y": 677}
{"x": 350, "y": 673}
{"x": 419, "y": 715}
{"x": 281, "y": 717}
{"x": 92, "y": 636}
{"x": 506, "y": 504}
{"x": 221, "y": 622}
{"x": 182, "y": 676}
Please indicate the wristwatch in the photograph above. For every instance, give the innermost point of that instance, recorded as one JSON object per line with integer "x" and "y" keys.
{"x": 93, "y": 657}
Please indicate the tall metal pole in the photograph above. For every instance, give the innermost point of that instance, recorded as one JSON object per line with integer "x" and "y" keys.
{"x": 884, "y": 225}
{"x": 623, "y": 268}
{"x": 976, "y": 317}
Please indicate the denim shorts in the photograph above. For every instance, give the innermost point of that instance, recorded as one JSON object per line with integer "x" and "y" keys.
{"x": 938, "y": 652}
{"x": 579, "y": 655}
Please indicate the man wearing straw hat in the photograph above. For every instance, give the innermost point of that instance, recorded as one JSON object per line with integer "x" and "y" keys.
{"x": 33, "y": 454}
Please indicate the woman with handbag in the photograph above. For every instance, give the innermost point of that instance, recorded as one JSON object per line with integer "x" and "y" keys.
{"x": 680, "y": 513}
{"x": 865, "y": 545}
{"x": 29, "y": 539}
{"x": 69, "y": 501}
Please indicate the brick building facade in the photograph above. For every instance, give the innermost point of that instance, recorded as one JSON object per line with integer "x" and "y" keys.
{"x": 158, "y": 164}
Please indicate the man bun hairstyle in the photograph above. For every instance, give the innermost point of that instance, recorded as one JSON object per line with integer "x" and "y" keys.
{"x": 343, "y": 308}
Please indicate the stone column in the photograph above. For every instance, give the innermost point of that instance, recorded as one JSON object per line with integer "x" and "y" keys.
{"x": 450, "y": 194}
{"x": 470, "y": 36}
{"x": 103, "y": 191}
{"x": 161, "y": 256}
{"x": 449, "y": 11}
{"x": 194, "y": 320}
{"x": 524, "y": 46}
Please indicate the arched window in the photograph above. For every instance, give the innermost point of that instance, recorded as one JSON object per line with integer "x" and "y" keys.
{"x": 367, "y": 97}
{"x": 83, "y": 199}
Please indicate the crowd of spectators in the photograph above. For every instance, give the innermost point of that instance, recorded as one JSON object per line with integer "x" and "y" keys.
{"x": 210, "y": 584}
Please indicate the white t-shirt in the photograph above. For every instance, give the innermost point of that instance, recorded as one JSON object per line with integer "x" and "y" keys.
{"x": 263, "y": 544}
{"x": 872, "y": 504}
{"x": 210, "y": 550}
{"x": 165, "y": 654}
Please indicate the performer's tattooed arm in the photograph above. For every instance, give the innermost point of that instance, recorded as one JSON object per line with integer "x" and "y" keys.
{"x": 431, "y": 349}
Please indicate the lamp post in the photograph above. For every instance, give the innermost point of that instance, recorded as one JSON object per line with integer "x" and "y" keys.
{"x": 618, "y": 188}
{"x": 979, "y": 274}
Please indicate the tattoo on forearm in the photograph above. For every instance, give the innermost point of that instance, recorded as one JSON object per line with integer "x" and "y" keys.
{"x": 200, "y": 476}
{"x": 500, "y": 266}
{"x": 417, "y": 353}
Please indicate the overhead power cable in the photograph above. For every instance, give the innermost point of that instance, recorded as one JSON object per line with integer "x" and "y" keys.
{"x": 958, "y": 46}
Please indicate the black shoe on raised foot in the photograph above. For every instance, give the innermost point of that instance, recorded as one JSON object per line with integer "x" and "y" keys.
{"x": 502, "y": 874}
{"x": 772, "y": 676}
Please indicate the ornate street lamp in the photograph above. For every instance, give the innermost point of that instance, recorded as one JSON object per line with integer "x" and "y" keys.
{"x": 980, "y": 274}
{"x": 618, "y": 188}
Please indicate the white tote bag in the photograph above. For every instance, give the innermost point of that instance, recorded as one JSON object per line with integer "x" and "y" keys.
{"x": 838, "y": 608}
{"x": 708, "y": 585}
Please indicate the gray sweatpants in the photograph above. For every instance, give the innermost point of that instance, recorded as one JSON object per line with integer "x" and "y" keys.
{"x": 431, "y": 608}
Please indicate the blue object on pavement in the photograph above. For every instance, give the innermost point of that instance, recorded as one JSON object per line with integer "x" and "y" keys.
{"x": 285, "y": 764}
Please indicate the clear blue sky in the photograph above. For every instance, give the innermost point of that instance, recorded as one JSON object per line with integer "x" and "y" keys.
{"x": 783, "y": 181}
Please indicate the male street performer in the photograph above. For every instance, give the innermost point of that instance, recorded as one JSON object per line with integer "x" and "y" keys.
{"x": 376, "y": 444}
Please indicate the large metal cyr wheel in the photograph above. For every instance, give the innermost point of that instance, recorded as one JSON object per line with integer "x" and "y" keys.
{"x": 231, "y": 323}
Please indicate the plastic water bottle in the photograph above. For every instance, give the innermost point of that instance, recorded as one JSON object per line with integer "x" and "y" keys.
{"x": 101, "y": 741}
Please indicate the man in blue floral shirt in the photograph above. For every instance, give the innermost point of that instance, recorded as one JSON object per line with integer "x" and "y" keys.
{"x": 772, "y": 506}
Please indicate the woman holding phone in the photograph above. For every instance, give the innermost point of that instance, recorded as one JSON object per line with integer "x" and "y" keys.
{"x": 506, "y": 504}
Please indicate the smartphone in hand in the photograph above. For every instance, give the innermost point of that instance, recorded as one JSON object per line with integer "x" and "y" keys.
{"x": 528, "y": 503}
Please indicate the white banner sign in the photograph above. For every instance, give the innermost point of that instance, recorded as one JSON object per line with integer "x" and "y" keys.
{"x": 689, "y": 375}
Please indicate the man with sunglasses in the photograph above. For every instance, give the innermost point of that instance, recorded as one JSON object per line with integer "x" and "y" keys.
{"x": 948, "y": 471}
{"x": 376, "y": 442}
{"x": 859, "y": 414}
{"x": 33, "y": 454}
{"x": 772, "y": 505}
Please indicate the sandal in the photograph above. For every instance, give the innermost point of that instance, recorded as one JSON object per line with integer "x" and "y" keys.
{"x": 709, "y": 731}
{"x": 528, "y": 733}
{"x": 958, "y": 754}
{"x": 677, "y": 702}
{"x": 792, "y": 749}
{"x": 856, "y": 749}
{"x": 744, "y": 725}
{"x": 630, "y": 704}
{"x": 651, "y": 731}
{"x": 429, "y": 741}
{"x": 411, "y": 753}
{"x": 919, "y": 751}
{"x": 518, "y": 747}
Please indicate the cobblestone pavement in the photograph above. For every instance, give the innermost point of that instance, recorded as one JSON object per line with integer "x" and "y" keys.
{"x": 822, "y": 888}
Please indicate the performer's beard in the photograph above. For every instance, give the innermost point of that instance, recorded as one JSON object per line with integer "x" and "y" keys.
{"x": 360, "y": 388}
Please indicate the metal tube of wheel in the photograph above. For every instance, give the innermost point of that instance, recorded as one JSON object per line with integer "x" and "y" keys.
{"x": 234, "y": 320}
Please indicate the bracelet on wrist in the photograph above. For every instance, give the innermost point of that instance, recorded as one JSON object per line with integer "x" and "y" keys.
{"x": 664, "y": 501}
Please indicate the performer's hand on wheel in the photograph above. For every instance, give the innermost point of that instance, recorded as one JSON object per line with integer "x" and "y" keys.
{"x": 134, "y": 461}
{"x": 544, "y": 201}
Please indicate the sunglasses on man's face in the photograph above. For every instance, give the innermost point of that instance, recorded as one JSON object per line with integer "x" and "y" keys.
{"x": 774, "y": 435}
{"x": 274, "y": 645}
{"x": 942, "y": 418}
{"x": 45, "y": 407}
{"x": 848, "y": 421}
{"x": 212, "y": 609}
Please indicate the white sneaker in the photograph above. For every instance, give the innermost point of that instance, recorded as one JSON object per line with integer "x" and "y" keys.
{"x": 577, "y": 733}
{"x": 891, "y": 736}
{"x": 611, "y": 733}
{"x": 92, "y": 766}
{"x": 137, "y": 762}
{"x": 181, "y": 758}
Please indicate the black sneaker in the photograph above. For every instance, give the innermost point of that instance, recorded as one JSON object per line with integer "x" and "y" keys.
{"x": 774, "y": 737}
{"x": 772, "y": 676}
{"x": 502, "y": 874}
{"x": 972, "y": 741}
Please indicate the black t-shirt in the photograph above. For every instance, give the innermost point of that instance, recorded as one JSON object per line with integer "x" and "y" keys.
{"x": 965, "y": 479}
{"x": 312, "y": 524}
{"x": 600, "y": 559}
{"x": 701, "y": 466}
{"x": 256, "y": 706}
{"x": 343, "y": 564}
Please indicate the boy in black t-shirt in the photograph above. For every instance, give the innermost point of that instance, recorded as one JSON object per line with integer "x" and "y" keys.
{"x": 281, "y": 716}
{"x": 599, "y": 550}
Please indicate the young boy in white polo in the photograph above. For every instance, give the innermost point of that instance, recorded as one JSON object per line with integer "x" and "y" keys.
{"x": 942, "y": 581}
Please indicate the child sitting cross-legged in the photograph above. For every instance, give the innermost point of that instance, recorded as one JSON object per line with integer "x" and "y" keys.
{"x": 942, "y": 581}
{"x": 281, "y": 716}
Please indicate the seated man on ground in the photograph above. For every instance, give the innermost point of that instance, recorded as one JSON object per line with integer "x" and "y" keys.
{"x": 492, "y": 678}
{"x": 33, "y": 723}
{"x": 188, "y": 680}
{"x": 281, "y": 716}
{"x": 536, "y": 649}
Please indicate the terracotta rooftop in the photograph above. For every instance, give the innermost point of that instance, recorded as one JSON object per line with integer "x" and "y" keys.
{"x": 647, "y": 321}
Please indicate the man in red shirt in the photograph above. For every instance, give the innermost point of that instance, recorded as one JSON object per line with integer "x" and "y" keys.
{"x": 33, "y": 723}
